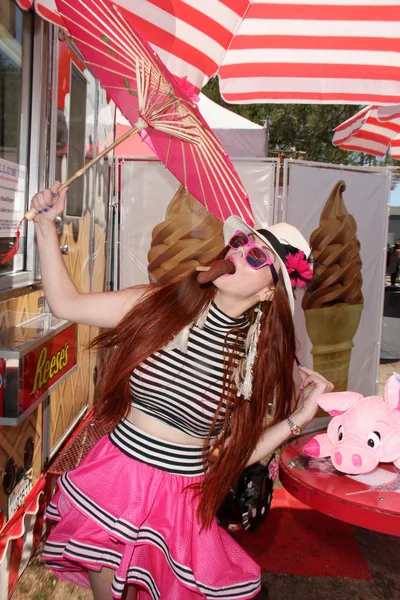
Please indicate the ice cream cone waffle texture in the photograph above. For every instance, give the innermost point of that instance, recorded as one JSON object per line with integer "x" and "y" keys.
{"x": 333, "y": 302}
{"x": 188, "y": 236}
{"x": 331, "y": 331}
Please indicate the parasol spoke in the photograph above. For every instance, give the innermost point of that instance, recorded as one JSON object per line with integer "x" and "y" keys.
{"x": 98, "y": 24}
{"x": 139, "y": 88}
{"x": 209, "y": 149}
{"x": 168, "y": 152}
{"x": 123, "y": 45}
{"x": 185, "y": 183}
{"x": 178, "y": 132}
{"x": 211, "y": 184}
{"x": 200, "y": 179}
{"x": 214, "y": 166}
{"x": 110, "y": 22}
{"x": 99, "y": 51}
{"x": 130, "y": 39}
{"x": 153, "y": 98}
{"x": 108, "y": 70}
{"x": 131, "y": 110}
{"x": 140, "y": 71}
{"x": 215, "y": 148}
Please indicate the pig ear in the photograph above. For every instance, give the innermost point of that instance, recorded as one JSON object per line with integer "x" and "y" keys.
{"x": 392, "y": 391}
{"x": 336, "y": 403}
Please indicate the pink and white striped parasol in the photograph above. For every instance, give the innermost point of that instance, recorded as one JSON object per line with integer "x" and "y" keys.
{"x": 373, "y": 130}
{"x": 313, "y": 51}
{"x": 159, "y": 107}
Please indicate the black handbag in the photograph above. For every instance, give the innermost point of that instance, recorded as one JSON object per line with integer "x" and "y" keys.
{"x": 249, "y": 501}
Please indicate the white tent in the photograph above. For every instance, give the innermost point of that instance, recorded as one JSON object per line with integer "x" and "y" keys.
{"x": 240, "y": 137}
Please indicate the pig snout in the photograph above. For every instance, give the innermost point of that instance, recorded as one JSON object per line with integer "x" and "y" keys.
{"x": 312, "y": 448}
{"x": 350, "y": 458}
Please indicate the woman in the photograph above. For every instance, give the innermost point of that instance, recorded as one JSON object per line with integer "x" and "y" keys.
{"x": 394, "y": 264}
{"x": 192, "y": 367}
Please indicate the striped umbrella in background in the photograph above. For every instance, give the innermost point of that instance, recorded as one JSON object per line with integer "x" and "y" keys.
{"x": 373, "y": 130}
{"x": 318, "y": 51}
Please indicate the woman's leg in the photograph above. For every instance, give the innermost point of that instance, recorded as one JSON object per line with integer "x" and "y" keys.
{"x": 101, "y": 584}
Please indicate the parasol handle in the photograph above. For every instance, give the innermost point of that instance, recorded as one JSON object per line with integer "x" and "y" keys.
{"x": 31, "y": 213}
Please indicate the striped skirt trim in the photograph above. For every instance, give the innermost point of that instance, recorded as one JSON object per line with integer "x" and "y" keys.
{"x": 115, "y": 511}
{"x": 177, "y": 459}
{"x": 103, "y": 557}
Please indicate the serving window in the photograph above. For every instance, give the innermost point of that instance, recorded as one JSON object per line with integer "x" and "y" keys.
{"x": 16, "y": 37}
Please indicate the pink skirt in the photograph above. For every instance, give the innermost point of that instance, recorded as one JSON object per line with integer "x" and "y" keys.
{"x": 128, "y": 507}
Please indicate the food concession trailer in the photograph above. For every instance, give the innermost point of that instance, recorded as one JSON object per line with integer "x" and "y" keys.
{"x": 54, "y": 116}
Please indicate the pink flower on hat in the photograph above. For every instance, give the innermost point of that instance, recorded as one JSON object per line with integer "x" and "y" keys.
{"x": 298, "y": 268}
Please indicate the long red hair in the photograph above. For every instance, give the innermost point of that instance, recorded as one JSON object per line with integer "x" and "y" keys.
{"x": 159, "y": 315}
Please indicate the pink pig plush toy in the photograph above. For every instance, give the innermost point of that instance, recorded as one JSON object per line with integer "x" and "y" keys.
{"x": 363, "y": 432}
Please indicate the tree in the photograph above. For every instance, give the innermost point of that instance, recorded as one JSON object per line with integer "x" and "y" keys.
{"x": 301, "y": 128}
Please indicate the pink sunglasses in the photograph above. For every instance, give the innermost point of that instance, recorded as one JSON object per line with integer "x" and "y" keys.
{"x": 255, "y": 256}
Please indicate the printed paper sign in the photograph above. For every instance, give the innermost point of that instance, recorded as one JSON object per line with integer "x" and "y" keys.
{"x": 12, "y": 196}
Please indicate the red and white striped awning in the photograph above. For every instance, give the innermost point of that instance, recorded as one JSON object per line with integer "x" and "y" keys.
{"x": 21, "y": 537}
{"x": 372, "y": 130}
{"x": 318, "y": 51}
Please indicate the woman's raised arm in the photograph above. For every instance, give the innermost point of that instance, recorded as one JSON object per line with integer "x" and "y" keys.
{"x": 104, "y": 309}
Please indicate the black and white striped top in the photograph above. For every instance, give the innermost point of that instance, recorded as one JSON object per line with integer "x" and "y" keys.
{"x": 183, "y": 389}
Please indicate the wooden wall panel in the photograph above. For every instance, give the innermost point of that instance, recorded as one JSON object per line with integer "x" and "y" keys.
{"x": 73, "y": 394}
{"x": 12, "y": 442}
{"x": 12, "y": 439}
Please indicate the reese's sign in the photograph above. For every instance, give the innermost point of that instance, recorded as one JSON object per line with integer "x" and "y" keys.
{"x": 45, "y": 365}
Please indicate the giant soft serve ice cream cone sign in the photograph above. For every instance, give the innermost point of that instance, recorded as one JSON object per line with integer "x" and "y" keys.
{"x": 188, "y": 236}
{"x": 334, "y": 301}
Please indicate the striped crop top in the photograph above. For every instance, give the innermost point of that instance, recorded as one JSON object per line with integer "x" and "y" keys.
{"x": 183, "y": 389}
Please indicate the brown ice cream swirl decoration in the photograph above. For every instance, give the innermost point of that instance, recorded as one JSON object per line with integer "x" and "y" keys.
{"x": 337, "y": 277}
{"x": 188, "y": 237}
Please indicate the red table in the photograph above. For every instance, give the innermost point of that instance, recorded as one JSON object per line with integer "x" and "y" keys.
{"x": 316, "y": 483}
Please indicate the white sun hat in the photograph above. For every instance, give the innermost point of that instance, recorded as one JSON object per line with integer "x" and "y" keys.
{"x": 281, "y": 238}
